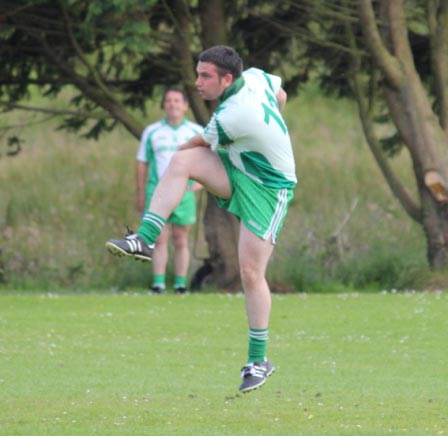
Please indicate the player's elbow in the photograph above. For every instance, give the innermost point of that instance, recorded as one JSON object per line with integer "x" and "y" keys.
{"x": 282, "y": 97}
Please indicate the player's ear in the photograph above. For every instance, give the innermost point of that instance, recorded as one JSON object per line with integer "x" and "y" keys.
{"x": 228, "y": 79}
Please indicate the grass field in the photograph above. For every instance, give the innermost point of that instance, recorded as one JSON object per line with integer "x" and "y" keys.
{"x": 135, "y": 364}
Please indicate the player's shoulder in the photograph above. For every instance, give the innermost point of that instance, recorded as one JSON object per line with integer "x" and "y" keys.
{"x": 193, "y": 126}
{"x": 151, "y": 128}
{"x": 254, "y": 76}
{"x": 154, "y": 126}
{"x": 253, "y": 73}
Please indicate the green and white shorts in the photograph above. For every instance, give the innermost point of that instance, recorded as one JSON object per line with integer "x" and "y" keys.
{"x": 185, "y": 212}
{"x": 260, "y": 208}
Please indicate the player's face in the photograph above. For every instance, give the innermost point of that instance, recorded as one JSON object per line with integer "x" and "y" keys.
{"x": 174, "y": 106}
{"x": 209, "y": 83}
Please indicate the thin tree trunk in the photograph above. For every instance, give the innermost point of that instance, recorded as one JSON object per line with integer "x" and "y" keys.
{"x": 411, "y": 111}
{"x": 221, "y": 228}
{"x": 438, "y": 30}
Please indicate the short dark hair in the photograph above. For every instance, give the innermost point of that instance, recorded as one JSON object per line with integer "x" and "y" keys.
{"x": 174, "y": 89}
{"x": 226, "y": 59}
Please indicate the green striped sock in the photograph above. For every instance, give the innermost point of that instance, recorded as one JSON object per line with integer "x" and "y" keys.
{"x": 180, "y": 282}
{"x": 258, "y": 341}
{"x": 150, "y": 227}
{"x": 159, "y": 280}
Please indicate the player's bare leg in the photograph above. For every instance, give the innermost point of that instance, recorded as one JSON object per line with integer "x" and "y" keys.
{"x": 199, "y": 164}
{"x": 181, "y": 257}
{"x": 254, "y": 254}
{"x": 160, "y": 260}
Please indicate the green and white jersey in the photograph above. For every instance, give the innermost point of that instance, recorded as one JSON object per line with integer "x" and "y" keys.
{"x": 160, "y": 141}
{"x": 248, "y": 121}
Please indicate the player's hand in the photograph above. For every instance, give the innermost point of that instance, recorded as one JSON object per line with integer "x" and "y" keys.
{"x": 186, "y": 146}
{"x": 195, "y": 141}
{"x": 195, "y": 187}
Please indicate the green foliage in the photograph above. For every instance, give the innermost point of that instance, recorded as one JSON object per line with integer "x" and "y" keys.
{"x": 381, "y": 268}
{"x": 347, "y": 365}
{"x": 329, "y": 48}
{"x": 61, "y": 199}
{"x": 384, "y": 266}
{"x": 93, "y": 45}
{"x": 120, "y": 52}
{"x": 391, "y": 143}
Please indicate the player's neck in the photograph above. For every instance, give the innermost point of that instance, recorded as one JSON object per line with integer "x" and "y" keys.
{"x": 174, "y": 122}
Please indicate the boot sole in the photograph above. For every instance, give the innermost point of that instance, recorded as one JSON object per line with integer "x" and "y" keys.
{"x": 252, "y": 388}
{"x": 117, "y": 251}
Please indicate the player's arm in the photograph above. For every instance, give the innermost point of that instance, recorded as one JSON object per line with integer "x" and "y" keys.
{"x": 141, "y": 176}
{"x": 195, "y": 141}
{"x": 281, "y": 98}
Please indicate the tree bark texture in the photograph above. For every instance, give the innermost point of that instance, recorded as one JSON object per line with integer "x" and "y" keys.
{"x": 419, "y": 127}
{"x": 221, "y": 228}
{"x": 221, "y": 233}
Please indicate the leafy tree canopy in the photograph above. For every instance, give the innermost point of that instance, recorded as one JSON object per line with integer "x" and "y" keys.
{"x": 118, "y": 52}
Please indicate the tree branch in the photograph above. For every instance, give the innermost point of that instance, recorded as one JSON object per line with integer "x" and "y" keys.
{"x": 409, "y": 205}
{"x": 94, "y": 73}
{"x": 112, "y": 106}
{"x": 211, "y": 15}
{"x": 47, "y": 80}
{"x": 388, "y": 64}
{"x": 365, "y": 114}
{"x": 398, "y": 30}
{"x": 345, "y": 12}
{"x": 182, "y": 47}
{"x": 24, "y": 125}
{"x": 93, "y": 115}
{"x": 438, "y": 36}
{"x": 305, "y": 35}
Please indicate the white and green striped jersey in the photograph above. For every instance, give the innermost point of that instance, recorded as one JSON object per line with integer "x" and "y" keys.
{"x": 160, "y": 141}
{"x": 248, "y": 121}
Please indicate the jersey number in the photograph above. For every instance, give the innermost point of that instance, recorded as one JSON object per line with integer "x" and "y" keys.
{"x": 272, "y": 111}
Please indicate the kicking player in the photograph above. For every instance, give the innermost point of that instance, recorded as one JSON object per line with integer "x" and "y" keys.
{"x": 244, "y": 157}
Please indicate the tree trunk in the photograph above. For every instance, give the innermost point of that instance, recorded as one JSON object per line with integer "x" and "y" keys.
{"x": 435, "y": 227}
{"x": 221, "y": 233}
{"x": 427, "y": 145}
{"x": 221, "y": 228}
{"x": 412, "y": 113}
